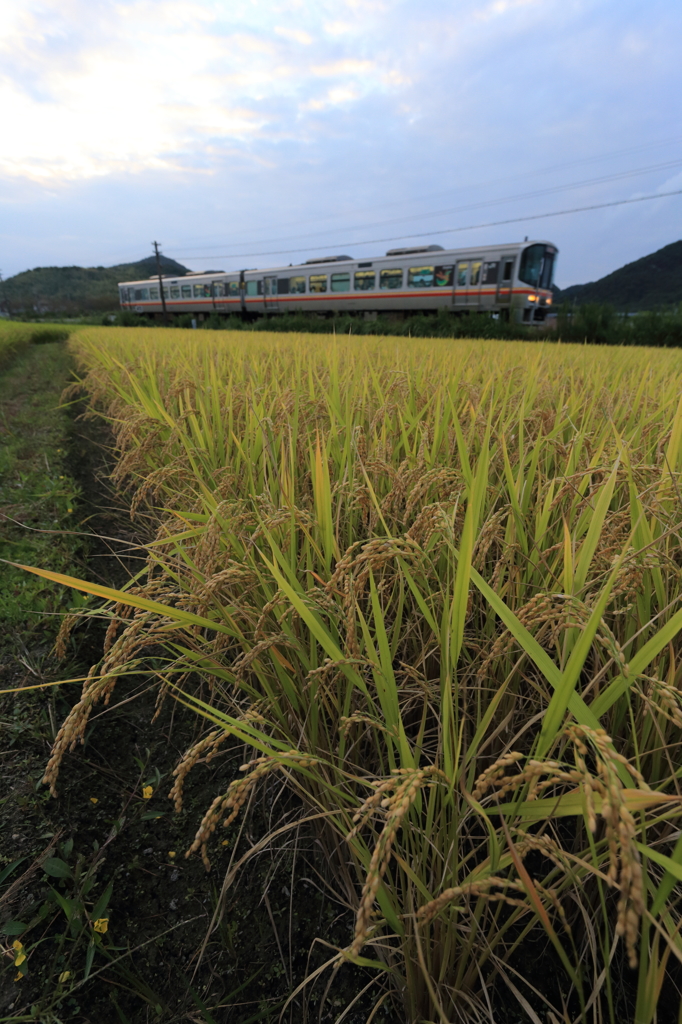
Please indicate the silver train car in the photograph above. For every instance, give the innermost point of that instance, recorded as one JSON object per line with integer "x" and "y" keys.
{"x": 509, "y": 281}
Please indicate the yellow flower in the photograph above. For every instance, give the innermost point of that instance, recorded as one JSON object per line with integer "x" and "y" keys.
{"x": 147, "y": 792}
{"x": 225, "y": 842}
{"x": 69, "y": 510}
{"x": 19, "y": 959}
{"x": 94, "y": 800}
{"x": 101, "y": 925}
{"x": 64, "y": 976}
{"x": 171, "y": 853}
{"x": 17, "y": 944}
{"x": 19, "y": 976}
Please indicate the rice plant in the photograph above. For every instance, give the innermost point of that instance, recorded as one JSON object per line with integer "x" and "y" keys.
{"x": 435, "y": 587}
{"x": 13, "y": 337}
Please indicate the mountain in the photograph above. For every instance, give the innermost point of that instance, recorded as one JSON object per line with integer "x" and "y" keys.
{"x": 649, "y": 283}
{"x": 72, "y": 290}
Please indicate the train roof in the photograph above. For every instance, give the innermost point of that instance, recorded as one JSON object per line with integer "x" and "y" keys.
{"x": 319, "y": 262}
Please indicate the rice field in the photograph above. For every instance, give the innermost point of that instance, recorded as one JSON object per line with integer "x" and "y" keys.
{"x": 434, "y": 587}
{"x": 15, "y": 336}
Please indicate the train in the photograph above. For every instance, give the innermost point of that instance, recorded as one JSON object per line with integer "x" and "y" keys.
{"x": 508, "y": 281}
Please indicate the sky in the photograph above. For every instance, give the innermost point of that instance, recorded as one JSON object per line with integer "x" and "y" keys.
{"x": 266, "y": 132}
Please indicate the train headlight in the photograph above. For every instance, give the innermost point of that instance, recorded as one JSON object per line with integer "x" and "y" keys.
{"x": 532, "y": 298}
{"x": 548, "y": 300}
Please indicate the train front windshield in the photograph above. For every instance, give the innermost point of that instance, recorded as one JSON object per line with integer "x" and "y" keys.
{"x": 537, "y": 266}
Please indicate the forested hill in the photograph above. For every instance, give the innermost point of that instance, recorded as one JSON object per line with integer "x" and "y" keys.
{"x": 75, "y": 290}
{"x": 649, "y": 283}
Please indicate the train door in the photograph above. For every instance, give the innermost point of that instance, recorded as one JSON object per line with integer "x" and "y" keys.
{"x": 504, "y": 281}
{"x": 219, "y": 293}
{"x": 459, "y": 292}
{"x": 473, "y": 291}
{"x": 270, "y": 295}
{"x": 242, "y": 293}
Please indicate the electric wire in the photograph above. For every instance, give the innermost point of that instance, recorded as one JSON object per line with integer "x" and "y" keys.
{"x": 447, "y": 231}
{"x": 618, "y": 176}
{"x": 471, "y": 186}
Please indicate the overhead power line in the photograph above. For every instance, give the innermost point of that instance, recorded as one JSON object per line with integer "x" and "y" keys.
{"x": 482, "y": 204}
{"x": 468, "y": 187}
{"x": 442, "y": 231}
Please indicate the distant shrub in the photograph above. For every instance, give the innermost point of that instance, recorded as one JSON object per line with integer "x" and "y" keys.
{"x": 663, "y": 330}
{"x": 602, "y": 325}
{"x": 44, "y": 335}
{"x": 127, "y": 319}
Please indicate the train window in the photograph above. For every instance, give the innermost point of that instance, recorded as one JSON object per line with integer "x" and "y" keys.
{"x": 297, "y": 285}
{"x": 391, "y": 278}
{"x": 218, "y": 288}
{"x": 165, "y": 293}
{"x": 489, "y": 275}
{"x": 420, "y": 277}
{"x": 443, "y": 277}
{"x": 154, "y": 294}
{"x": 365, "y": 280}
{"x": 175, "y": 292}
{"x": 318, "y": 282}
{"x": 462, "y": 271}
{"x": 531, "y": 264}
{"x": 475, "y": 272}
{"x": 187, "y": 291}
{"x": 507, "y": 273}
{"x": 547, "y": 268}
{"x": 233, "y": 288}
{"x": 198, "y": 291}
{"x": 252, "y": 287}
{"x": 283, "y": 286}
{"x": 340, "y": 283}
{"x": 141, "y": 294}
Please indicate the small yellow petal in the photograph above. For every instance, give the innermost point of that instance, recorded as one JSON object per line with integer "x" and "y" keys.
{"x": 225, "y": 842}
{"x": 19, "y": 976}
{"x": 17, "y": 944}
{"x": 101, "y": 925}
{"x": 20, "y": 959}
{"x": 94, "y": 800}
{"x": 64, "y": 976}
{"x": 171, "y": 853}
{"x": 147, "y": 792}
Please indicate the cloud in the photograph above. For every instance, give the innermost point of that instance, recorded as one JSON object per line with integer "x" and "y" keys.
{"x": 199, "y": 118}
{"x": 296, "y": 34}
{"x": 89, "y": 90}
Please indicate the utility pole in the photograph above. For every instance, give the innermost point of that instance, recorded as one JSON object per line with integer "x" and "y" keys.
{"x": 158, "y": 268}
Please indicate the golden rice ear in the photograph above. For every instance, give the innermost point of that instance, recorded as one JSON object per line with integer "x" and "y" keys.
{"x": 238, "y": 793}
{"x": 68, "y": 622}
